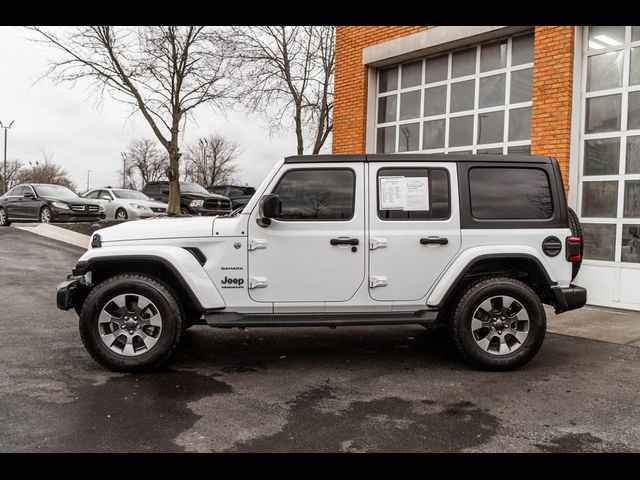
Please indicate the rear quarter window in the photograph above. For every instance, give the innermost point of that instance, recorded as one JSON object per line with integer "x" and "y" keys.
{"x": 510, "y": 193}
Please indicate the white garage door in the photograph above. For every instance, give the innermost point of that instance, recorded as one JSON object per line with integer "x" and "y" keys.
{"x": 609, "y": 170}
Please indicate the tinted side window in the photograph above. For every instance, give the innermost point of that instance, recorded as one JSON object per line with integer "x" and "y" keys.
{"x": 93, "y": 195}
{"x": 152, "y": 189}
{"x": 317, "y": 194}
{"x": 18, "y": 191}
{"x": 436, "y": 192}
{"x": 510, "y": 193}
{"x": 235, "y": 192}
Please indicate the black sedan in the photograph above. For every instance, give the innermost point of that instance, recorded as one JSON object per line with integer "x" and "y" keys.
{"x": 46, "y": 203}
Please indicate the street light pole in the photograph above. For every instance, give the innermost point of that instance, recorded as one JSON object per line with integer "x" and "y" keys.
{"x": 124, "y": 169}
{"x": 204, "y": 143}
{"x": 4, "y": 175}
{"x": 88, "y": 172}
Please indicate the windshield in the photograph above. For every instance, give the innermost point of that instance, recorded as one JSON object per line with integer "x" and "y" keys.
{"x": 191, "y": 188}
{"x": 130, "y": 194}
{"x": 55, "y": 191}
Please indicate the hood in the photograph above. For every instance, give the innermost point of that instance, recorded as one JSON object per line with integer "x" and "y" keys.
{"x": 152, "y": 228}
{"x": 75, "y": 201}
{"x": 200, "y": 196}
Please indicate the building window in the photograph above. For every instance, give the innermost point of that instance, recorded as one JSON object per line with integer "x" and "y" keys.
{"x": 609, "y": 173}
{"x": 473, "y": 100}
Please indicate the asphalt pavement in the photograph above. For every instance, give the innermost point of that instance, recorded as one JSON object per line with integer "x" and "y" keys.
{"x": 357, "y": 389}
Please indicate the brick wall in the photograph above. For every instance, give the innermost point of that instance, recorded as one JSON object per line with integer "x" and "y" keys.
{"x": 552, "y": 88}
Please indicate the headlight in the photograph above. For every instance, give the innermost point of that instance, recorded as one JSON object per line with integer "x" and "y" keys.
{"x": 60, "y": 205}
{"x": 196, "y": 203}
{"x": 138, "y": 207}
{"x": 101, "y": 208}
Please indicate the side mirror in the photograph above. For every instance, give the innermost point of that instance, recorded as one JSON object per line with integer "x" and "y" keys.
{"x": 106, "y": 197}
{"x": 270, "y": 207}
{"x": 28, "y": 195}
{"x": 164, "y": 191}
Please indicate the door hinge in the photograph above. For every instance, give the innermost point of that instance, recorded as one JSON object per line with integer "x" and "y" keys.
{"x": 256, "y": 244}
{"x": 378, "y": 281}
{"x": 258, "y": 282}
{"x": 377, "y": 243}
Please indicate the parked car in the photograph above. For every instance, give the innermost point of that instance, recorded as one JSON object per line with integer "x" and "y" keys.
{"x": 472, "y": 243}
{"x": 123, "y": 204}
{"x": 239, "y": 196}
{"x": 47, "y": 203}
{"x": 194, "y": 199}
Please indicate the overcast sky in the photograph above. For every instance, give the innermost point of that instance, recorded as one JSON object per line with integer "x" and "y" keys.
{"x": 63, "y": 120}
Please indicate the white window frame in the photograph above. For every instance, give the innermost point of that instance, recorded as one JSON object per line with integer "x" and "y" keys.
{"x": 621, "y": 134}
{"x": 475, "y": 112}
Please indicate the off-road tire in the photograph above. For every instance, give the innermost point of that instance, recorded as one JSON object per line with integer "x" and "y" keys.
{"x": 4, "y": 219}
{"x": 576, "y": 230}
{"x": 471, "y": 298}
{"x": 159, "y": 294}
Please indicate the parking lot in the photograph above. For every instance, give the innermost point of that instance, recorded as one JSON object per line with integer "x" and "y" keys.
{"x": 397, "y": 389}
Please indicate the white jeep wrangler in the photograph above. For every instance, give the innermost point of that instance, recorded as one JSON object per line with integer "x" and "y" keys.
{"x": 473, "y": 243}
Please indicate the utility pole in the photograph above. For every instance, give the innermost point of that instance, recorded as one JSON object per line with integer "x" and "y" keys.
{"x": 124, "y": 169}
{"x": 4, "y": 175}
{"x": 88, "y": 172}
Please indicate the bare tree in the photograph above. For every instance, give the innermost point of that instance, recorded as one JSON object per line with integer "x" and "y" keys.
{"x": 13, "y": 168}
{"x": 145, "y": 159}
{"x": 45, "y": 171}
{"x": 286, "y": 74}
{"x": 164, "y": 72}
{"x": 211, "y": 161}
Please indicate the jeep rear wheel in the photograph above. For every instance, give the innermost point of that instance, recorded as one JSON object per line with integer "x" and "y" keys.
{"x": 131, "y": 323}
{"x": 498, "y": 324}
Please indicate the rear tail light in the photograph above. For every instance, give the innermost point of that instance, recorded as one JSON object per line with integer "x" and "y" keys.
{"x": 573, "y": 249}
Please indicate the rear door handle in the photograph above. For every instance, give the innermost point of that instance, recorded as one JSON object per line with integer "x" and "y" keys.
{"x": 434, "y": 241}
{"x": 344, "y": 241}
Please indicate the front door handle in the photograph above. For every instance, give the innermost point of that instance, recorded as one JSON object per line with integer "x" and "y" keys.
{"x": 433, "y": 241}
{"x": 344, "y": 241}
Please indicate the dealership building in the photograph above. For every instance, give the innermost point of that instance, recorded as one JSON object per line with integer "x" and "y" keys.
{"x": 572, "y": 92}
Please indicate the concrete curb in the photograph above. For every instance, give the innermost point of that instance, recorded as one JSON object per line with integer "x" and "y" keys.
{"x": 58, "y": 233}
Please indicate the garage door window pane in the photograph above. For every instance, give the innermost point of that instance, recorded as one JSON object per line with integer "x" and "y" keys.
{"x": 604, "y": 71}
{"x": 433, "y": 135}
{"x": 521, "y": 85}
{"x": 462, "y": 96}
{"x": 463, "y": 63}
{"x": 520, "y": 150}
{"x": 604, "y": 37}
{"x": 435, "y": 100}
{"x": 522, "y": 50}
{"x": 436, "y": 69}
{"x": 632, "y": 199}
{"x": 633, "y": 154}
{"x": 635, "y": 34}
{"x": 599, "y": 199}
{"x": 387, "y": 108}
{"x": 631, "y": 243}
{"x": 461, "y": 131}
{"x": 388, "y": 80}
{"x": 492, "y": 91}
{"x": 603, "y": 114}
{"x": 634, "y": 71}
{"x": 489, "y": 151}
{"x": 317, "y": 194}
{"x": 493, "y": 56}
{"x": 386, "y": 140}
{"x": 520, "y": 124}
{"x": 409, "y": 138}
{"x": 599, "y": 241}
{"x": 411, "y": 74}
{"x": 602, "y": 157}
{"x": 490, "y": 127}
{"x": 410, "y": 105}
{"x": 633, "y": 121}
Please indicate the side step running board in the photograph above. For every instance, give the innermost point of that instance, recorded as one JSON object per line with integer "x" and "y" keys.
{"x": 234, "y": 320}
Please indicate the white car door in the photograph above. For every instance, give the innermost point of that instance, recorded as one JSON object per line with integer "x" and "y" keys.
{"x": 414, "y": 227}
{"x": 315, "y": 252}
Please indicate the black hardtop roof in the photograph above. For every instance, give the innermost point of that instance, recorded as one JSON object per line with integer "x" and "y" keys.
{"x": 418, "y": 157}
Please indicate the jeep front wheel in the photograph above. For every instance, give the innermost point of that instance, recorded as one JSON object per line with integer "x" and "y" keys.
{"x": 131, "y": 323}
{"x": 498, "y": 324}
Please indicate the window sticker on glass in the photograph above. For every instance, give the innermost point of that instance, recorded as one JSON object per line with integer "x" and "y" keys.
{"x": 404, "y": 193}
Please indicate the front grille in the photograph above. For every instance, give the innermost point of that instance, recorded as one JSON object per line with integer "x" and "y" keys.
{"x": 158, "y": 209}
{"x": 85, "y": 208}
{"x": 217, "y": 204}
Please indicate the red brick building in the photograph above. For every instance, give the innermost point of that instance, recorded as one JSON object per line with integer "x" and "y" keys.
{"x": 566, "y": 91}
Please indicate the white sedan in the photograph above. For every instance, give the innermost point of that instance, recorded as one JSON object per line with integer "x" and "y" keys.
{"x": 124, "y": 204}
